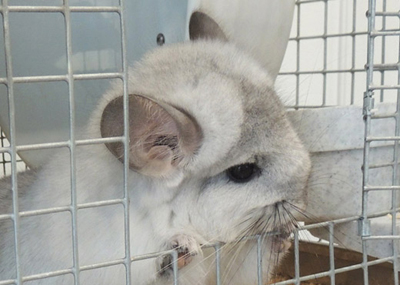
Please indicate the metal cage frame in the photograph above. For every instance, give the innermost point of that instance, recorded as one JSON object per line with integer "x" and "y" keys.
{"x": 371, "y": 91}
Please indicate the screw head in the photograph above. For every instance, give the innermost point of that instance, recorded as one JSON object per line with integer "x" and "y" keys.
{"x": 160, "y": 39}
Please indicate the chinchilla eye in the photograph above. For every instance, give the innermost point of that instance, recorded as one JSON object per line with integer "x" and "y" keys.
{"x": 243, "y": 172}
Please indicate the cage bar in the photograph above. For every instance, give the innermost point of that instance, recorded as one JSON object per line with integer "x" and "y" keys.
{"x": 378, "y": 90}
{"x": 11, "y": 106}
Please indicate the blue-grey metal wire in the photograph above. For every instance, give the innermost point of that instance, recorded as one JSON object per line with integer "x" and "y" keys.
{"x": 217, "y": 249}
{"x": 332, "y": 253}
{"x": 299, "y": 70}
{"x": 72, "y": 142}
{"x": 296, "y": 258}
{"x": 396, "y": 155}
{"x": 127, "y": 238}
{"x": 368, "y": 106}
{"x": 3, "y": 160}
{"x": 369, "y": 138}
{"x": 12, "y": 150}
{"x": 9, "y": 81}
{"x": 259, "y": 259}
{"x": 66, "y": 10}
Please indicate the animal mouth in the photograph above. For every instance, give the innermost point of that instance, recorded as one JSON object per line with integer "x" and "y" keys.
{"x": 275, "y": 223}
{"x": 283, "y": 228}
{"x": 279, "y": 227}
{"x": 281, "y": 239}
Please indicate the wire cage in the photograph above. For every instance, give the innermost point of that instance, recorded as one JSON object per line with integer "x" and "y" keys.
{"x": 355, "y": 63}
{"x": 340, "y": 53}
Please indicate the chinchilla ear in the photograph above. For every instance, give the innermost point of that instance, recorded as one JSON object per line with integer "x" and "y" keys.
{"x": 202, "y": 26}
{"x": 162, "y": 137}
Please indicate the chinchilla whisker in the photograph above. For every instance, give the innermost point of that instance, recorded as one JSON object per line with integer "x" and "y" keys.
{"x": 287, "y": 222}
{"x": 326, "y": 228}
{"x": 210, "y": 242}
{"x": 211, "y": 257}
{"x": 246, "y": 220}
{"x": 260, "y": 225}
{"x": 281, "y": 218}
{"x": 254, "y": 227}
{"x": 271, "y": 262}
{"x": 300, "y": 211}
{"x": 291, "y": 217}
{"x": 238, "y": 253}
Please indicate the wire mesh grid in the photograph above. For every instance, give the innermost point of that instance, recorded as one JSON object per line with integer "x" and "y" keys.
{"x": 324, "y": 53}
{"x": 339, "y": 68}
{"x": 380, "y": 35}
{"x": 331, "y": 65}
{"x": 5, "y": 160}
{"x": 71, "y": 144}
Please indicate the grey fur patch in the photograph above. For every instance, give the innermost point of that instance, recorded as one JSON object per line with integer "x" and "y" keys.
{"x": 172, "y": 217}
{"x": 25, "y": 179}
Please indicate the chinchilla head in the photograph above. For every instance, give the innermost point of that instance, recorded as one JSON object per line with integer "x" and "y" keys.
{"x": 206, "y": 125}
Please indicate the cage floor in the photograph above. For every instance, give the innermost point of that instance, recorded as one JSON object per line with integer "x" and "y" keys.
{"x": 314, "y": 258}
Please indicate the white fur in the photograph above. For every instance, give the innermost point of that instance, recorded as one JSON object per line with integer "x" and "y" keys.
{"x": 220, "y": 88}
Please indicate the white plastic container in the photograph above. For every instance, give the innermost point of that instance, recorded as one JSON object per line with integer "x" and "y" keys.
{"x": 335, "y": 138}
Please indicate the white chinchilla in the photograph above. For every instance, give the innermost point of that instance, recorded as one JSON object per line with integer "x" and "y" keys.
{"x": 212, "y": 159}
